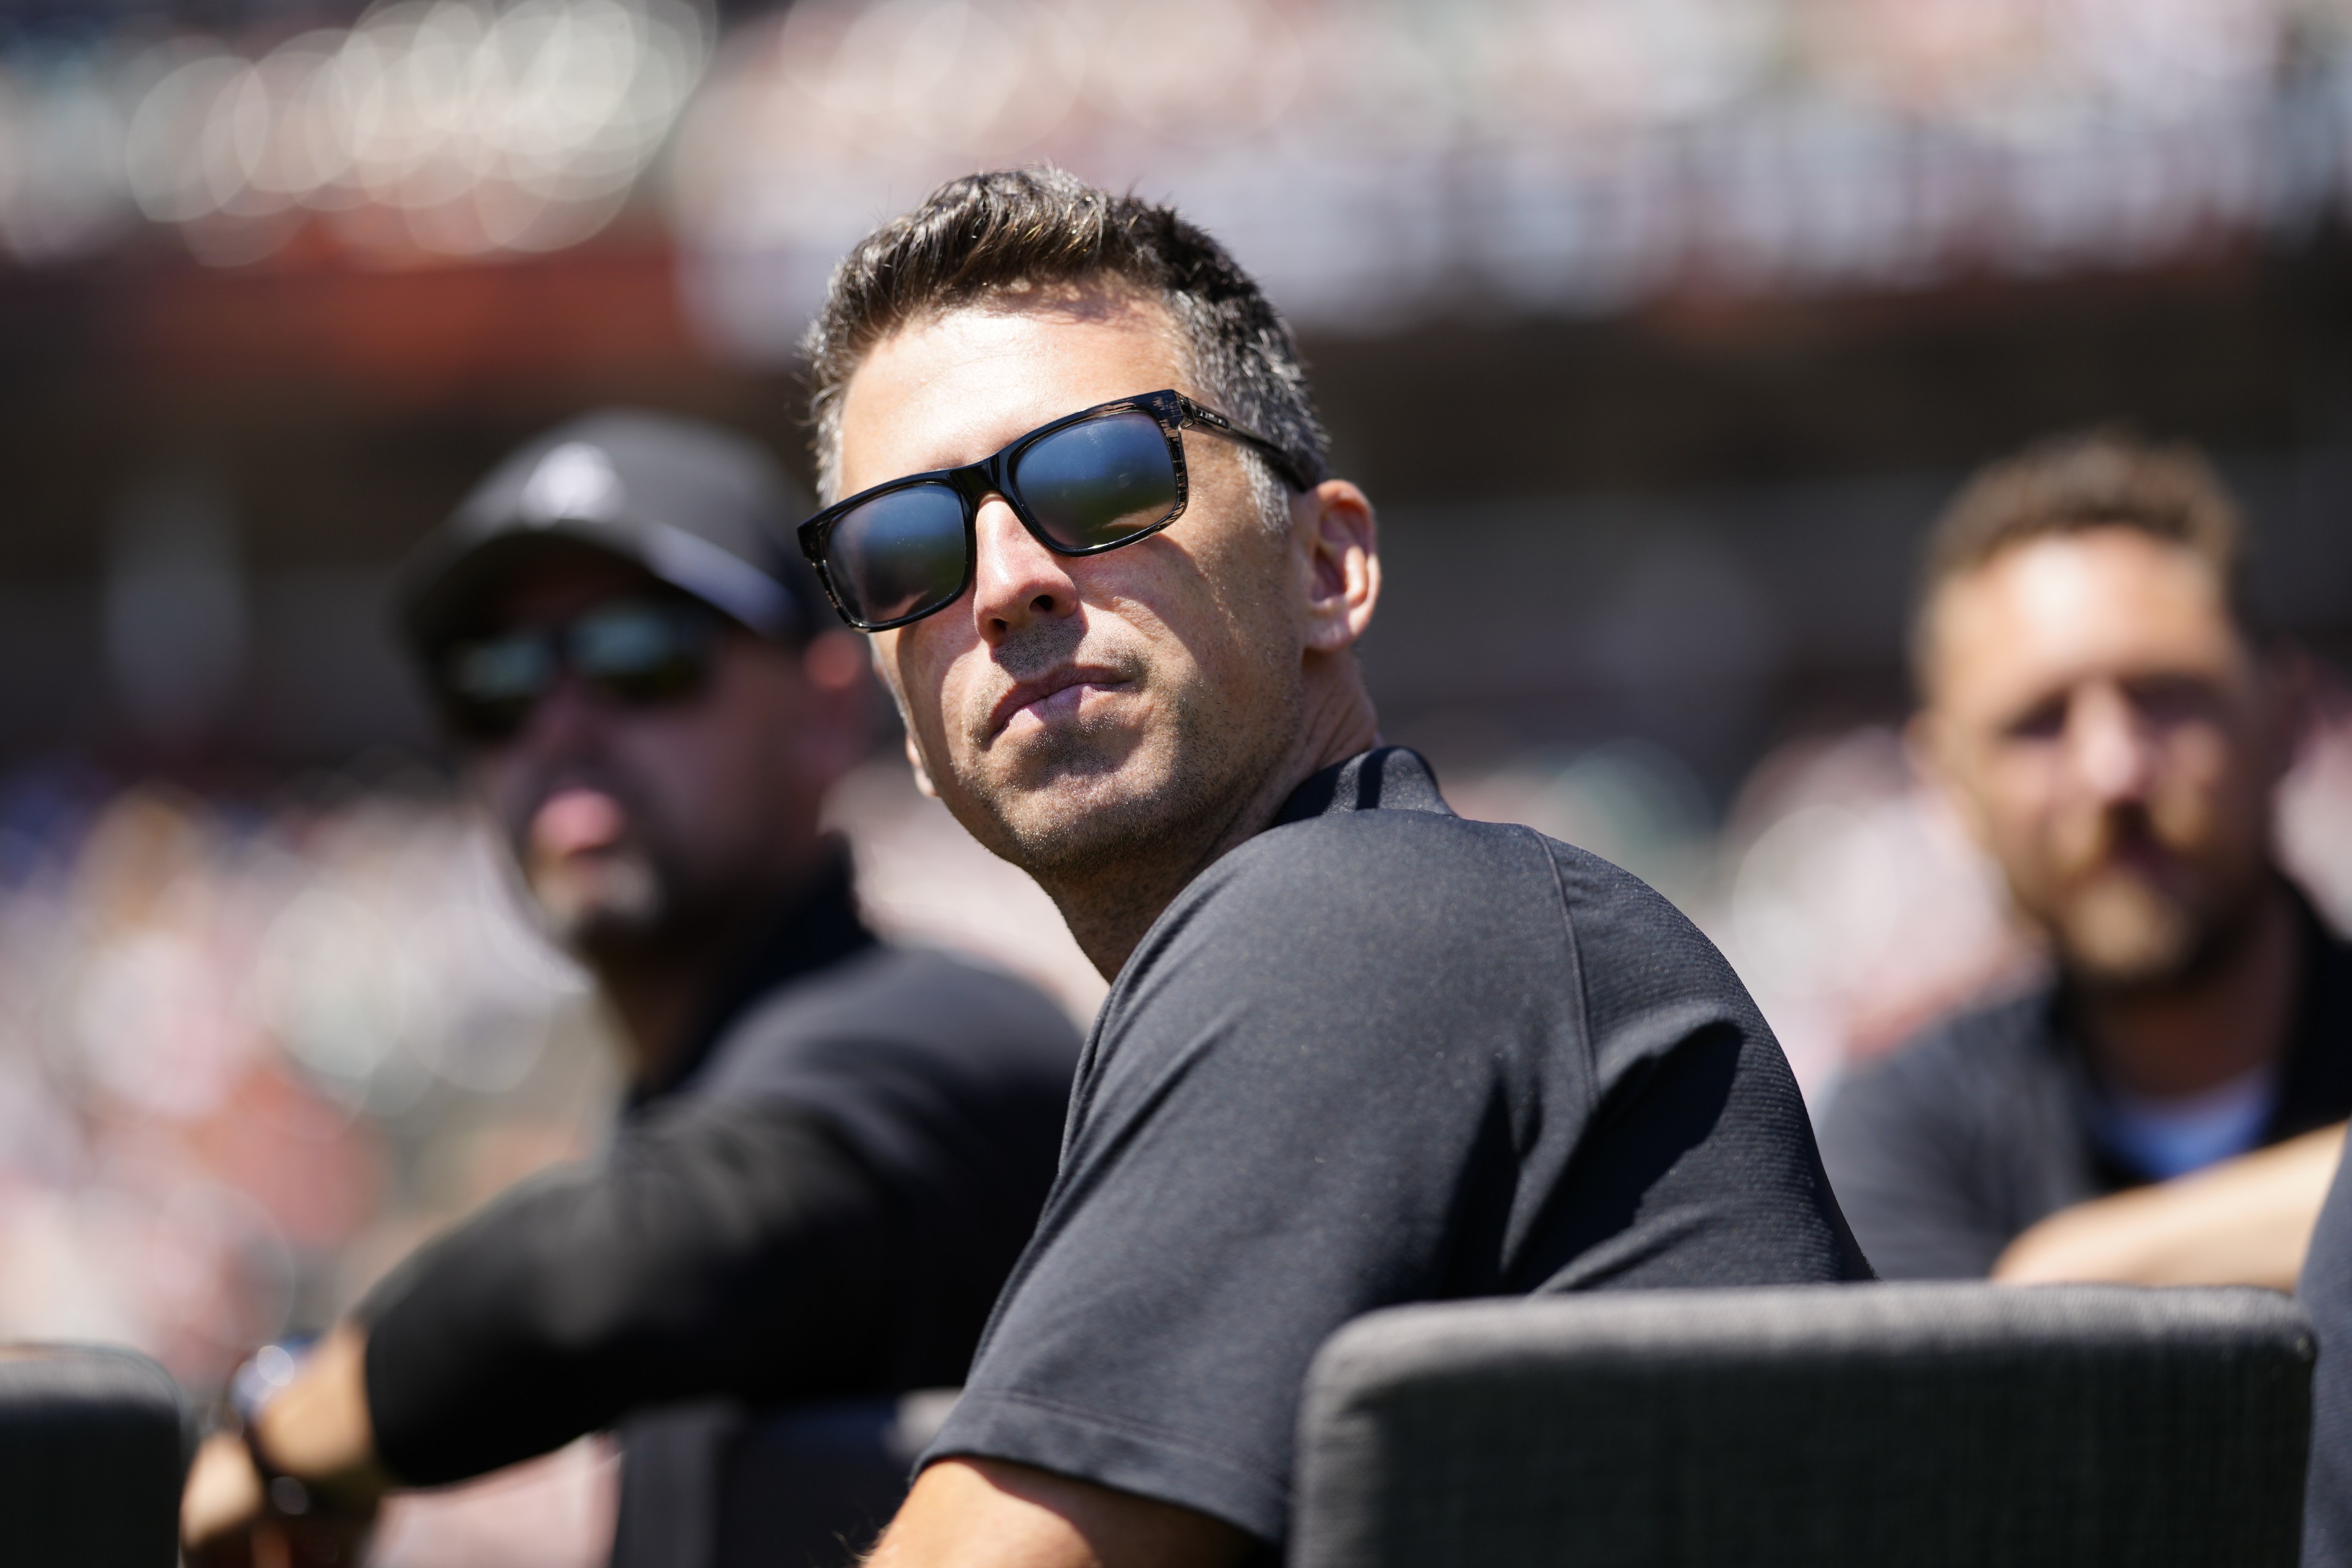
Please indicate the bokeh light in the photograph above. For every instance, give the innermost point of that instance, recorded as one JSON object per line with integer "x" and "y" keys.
{"x": 449, "y": 127}
{"x": 232, "y": 1045}
{"x": 1372, "y": 161}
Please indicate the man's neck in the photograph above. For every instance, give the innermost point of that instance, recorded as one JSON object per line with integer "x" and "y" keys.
{"x": 2231, "y": 1016}
{"x": 1109, "y": 908}
{"x": 659, "y": 999}
{"x": 663, "y": 989}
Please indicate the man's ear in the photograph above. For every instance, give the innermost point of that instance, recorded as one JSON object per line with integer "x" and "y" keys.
{"x": 1337, "y": 543}
{"x": 1927, "y": 742}
{"x": 835, "y": 660}
{"x": 874, "y": 647}
{"x": 833, "y": 667}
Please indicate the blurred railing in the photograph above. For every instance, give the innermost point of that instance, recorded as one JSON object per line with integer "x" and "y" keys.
{"x": 1373, "y": 163}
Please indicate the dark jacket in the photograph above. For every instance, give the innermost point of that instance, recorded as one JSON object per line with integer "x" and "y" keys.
{"x": 1945, "y": 1151}
{"x": 811, "y": 1217}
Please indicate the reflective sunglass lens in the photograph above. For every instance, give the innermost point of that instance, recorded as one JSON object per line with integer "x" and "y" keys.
{"x": 501, "y": 670}
{"x": 643, "y": 653}
{"x": 900, "y": 555}
{"x": 1098, "y": 482}
{"x": 636, "y": 652}
{"x": 488, "y": 686}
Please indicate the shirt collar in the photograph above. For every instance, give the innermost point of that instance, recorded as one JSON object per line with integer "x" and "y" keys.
{"x": 1386, "y": 778}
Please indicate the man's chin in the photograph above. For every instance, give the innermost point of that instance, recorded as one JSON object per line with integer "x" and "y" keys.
{"x": 2123, "y": 935}
{"x": 1068, "y": 810}
{"x": 586, "y": 908}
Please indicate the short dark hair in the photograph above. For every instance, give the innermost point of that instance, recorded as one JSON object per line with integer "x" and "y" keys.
{"x": 990, "y": 235}
{"x": 2104, "y": 478}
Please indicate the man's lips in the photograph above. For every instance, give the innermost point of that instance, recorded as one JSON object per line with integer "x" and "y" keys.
{"x": 1044, "y": 695}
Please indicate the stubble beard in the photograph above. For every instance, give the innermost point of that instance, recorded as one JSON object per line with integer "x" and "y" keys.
{"x": 2117, "y": 928}
{"x": 1093, "y": 806}
{"x": 621, "y": 905}
{"x": 605, "y": 905}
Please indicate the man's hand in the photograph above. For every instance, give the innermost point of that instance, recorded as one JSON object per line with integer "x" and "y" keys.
{"x": 223, "y": 1497}
{"x": 316, "y": 1431}
{"x": 2246, "y": 1221}
{"x": 225, "y": 1523}
{"x": 985, "y": 1513}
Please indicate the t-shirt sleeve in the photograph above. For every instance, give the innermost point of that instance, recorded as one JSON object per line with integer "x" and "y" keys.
{"x": 737, "y": 1246}
{"x": 828, "y": 1210}
{"x": 1347, "y": 1071}
{"x": 1899, "y": 1160}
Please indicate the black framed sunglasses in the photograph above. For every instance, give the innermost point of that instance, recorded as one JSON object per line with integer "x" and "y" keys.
{"x": 1089, "y": 482}
{"x": 641, "y": 652}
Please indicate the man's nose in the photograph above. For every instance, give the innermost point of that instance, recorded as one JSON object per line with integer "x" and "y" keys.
{"x": 1015, "y": 580}
{"x": 2113, "y": 752}
{"x": 564, "y": 722}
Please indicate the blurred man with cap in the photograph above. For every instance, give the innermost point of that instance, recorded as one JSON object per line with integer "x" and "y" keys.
{"x": 833, "y": 1150}
{"x": 2166, "y": 1108}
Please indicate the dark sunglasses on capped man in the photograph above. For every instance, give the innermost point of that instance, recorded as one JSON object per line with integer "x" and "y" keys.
{"x": 1090, "y": 481}
{"x": 635, "y": 651}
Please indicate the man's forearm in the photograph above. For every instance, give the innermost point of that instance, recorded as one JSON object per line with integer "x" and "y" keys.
{"x": 2246, "y": 1221}
{"x": 986, "y": 1513}
{"x": 703, "y": 1256}
{"x": 319, "y": 1428}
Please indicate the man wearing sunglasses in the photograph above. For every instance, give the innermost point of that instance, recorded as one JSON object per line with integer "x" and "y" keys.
{"x": 832, "y": 1150}
{"x": 1357, "y": 1051}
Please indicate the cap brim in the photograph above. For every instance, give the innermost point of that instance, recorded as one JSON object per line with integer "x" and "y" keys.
{"x": 448, "y": 587}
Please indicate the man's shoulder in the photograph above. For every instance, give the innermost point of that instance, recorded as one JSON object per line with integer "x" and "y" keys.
{"x": 890, "y": 974}
{"x": 1432, "y": 858}
{"x": 1415, "y": 885}
{"x": 903, "y": 1007}
{"x": 1371, "y": 909}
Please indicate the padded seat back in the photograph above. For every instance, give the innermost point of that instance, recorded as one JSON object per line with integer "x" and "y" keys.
{"x": 1912, "y": 1424}
{"x": 92, "y": 1449}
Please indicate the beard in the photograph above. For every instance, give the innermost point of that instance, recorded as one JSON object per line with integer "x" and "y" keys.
{"x": 1091, "y": 796}
{"x": 2118, "y": 932}
{"x": 616, "y": 894}
{"x": 2130, "y": 912}
{"x": 622, "y": 901}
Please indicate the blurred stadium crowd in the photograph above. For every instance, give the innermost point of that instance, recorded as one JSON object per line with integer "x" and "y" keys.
{"x": 251, "y": 1055}
{"x": 240, "y": 1044}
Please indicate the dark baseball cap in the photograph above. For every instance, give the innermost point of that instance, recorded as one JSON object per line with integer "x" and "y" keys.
{"x": 694, "y": 505}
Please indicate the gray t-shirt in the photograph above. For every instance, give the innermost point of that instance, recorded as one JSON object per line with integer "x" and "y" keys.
{"x": 1379, "y": 1054}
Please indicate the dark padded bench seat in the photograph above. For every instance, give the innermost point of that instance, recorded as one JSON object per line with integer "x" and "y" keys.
{"x": 92, "y": 1448}
{"x": 2075, "y": 1426}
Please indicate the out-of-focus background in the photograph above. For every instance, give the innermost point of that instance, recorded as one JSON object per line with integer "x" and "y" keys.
{"x": 1657, "y": 329}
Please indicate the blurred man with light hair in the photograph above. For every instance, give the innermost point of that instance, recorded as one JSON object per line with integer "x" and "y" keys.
{"x": 2112, "y": 731}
